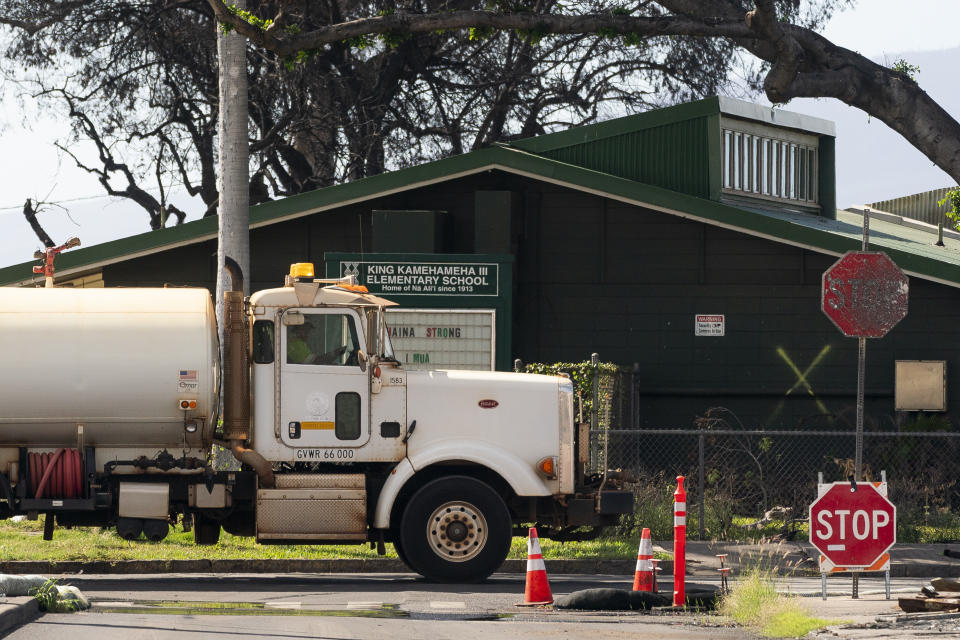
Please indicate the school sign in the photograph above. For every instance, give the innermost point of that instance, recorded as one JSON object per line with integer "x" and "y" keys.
{"x": 455, "y": 309}
{"x": 424, "y": 278}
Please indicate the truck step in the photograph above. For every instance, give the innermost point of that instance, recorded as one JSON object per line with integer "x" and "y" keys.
{"x": 320, "y": 481}
{"x": 313, "y": 507}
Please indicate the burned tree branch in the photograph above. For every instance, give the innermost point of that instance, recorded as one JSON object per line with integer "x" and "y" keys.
{"x": 31, "y": 215}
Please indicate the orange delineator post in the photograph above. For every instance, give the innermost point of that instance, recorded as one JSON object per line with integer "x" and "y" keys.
{"x": 643, "y": 577}
{"x": 679, "y": 543}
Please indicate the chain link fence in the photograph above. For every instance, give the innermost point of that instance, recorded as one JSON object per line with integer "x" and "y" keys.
{"x": 735, "y": 475}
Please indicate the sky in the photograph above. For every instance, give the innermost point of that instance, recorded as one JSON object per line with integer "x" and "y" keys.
{"x": 873, "y": 162}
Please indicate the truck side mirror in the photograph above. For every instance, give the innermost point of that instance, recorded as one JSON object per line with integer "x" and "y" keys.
{"x": 362, "y": 359}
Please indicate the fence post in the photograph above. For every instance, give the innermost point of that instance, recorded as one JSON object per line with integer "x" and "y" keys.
{"x": 700, "y": 517}
{"x": 595, "y": 363}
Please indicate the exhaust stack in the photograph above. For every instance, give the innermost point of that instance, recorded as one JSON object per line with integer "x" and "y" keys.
{"x": 236, "y": 377}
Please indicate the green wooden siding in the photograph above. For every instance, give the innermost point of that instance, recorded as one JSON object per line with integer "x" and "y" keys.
{"x": 674, "y": 156}
{"x": 627, "y": 282}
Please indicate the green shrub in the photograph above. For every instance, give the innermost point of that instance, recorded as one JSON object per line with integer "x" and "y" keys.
{"x": 582, "y": 375}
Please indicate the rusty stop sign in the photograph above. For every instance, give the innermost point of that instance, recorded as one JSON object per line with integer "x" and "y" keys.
{"x": 865, "y": 294}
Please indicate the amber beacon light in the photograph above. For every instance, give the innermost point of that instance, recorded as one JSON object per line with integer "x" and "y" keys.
{"x": 301, "y": 270}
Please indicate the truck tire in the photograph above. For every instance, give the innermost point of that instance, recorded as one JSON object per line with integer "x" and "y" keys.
{"x": 400, "y": 553}
{"x": 455, "y": 529}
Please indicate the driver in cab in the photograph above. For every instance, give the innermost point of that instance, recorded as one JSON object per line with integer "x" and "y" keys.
{"x": 302, "y": 341}
{"x": 298, "y": 346}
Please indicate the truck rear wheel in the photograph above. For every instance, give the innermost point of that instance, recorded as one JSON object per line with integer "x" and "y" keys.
{"x": 455, "y": 529}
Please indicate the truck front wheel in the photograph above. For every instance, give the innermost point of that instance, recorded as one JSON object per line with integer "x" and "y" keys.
{"x": 455, "y": 529}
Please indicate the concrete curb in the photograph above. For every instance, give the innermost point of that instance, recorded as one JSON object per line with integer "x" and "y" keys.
{"x": 393, "y": 565}
{"x": 346, "y": 565}
{"x": 18, "y": 611}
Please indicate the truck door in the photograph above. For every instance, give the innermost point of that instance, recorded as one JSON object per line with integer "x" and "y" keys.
{"x": 324, "y": 393}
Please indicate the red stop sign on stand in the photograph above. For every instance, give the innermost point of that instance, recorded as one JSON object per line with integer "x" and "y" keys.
{"x": 865, "y": 294}
{"x": 853, "y": 528}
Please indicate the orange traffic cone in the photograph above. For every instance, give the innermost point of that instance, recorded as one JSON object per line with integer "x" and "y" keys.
{"x": 537, "y": 590}
{"x": 643, "y": 578}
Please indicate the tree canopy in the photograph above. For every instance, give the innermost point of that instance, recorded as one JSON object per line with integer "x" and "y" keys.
{"x": 799, "y": 62}
{"x": 342, "y": 89}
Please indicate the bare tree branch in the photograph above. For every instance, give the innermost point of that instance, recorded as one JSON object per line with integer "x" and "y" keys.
{"x": 43, "y": 17}
{"x": 31, "y": 215}
{"x": 133, "y": 191}
{"x": 802, "y": 63}
{"x": 290, "y": 43}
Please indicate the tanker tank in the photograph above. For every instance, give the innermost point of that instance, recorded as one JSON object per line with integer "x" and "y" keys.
{"x": 121, "y": 362}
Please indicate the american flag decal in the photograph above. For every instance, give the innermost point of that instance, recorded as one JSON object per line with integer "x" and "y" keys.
{"x": 188, "y": 374}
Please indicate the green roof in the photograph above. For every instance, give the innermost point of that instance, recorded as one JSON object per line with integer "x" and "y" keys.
{"x": 619, "y": 127}
{"x": 913, "y": 250}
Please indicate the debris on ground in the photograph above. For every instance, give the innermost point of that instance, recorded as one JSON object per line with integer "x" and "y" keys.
{"x": 941, "y": 595}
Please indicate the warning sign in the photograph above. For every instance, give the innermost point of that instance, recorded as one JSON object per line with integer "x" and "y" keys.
{"x": 709, "y": 325}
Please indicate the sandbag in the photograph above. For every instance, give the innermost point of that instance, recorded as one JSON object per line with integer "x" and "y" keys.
{"x": 68, "y": 598}
{"x": 12, "y": 585}
{"x": 611, "y": 600}
{"x": 703, "y": 596}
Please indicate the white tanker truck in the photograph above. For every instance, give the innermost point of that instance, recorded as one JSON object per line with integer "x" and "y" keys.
{"x": 109, "y": 409}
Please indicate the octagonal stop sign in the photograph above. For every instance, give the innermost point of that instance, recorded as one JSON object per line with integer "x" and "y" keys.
{"x": 865, "y": 294}
{"x": 853, "y": 528}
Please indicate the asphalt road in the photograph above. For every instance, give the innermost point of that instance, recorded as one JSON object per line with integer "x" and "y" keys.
{"x": 394, "y": 606}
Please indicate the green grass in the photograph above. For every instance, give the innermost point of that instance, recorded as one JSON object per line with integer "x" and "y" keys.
{"x": 754, "y": 603}
{"x": 605, "y": 548}
{"x": 23, "y": 541}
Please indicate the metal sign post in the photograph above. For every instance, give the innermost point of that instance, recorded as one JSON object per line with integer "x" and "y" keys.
{"x": 853, "y": 526}
{"x": 861, "y": 375}
{"x": 865, "y": 295}
{"x": 861, "y": 387}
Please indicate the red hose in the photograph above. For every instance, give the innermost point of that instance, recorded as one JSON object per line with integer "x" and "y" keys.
{"x": 56, "y": 475}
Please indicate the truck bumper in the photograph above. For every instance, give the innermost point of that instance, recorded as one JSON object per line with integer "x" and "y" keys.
{"x": 613, "y": 504}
